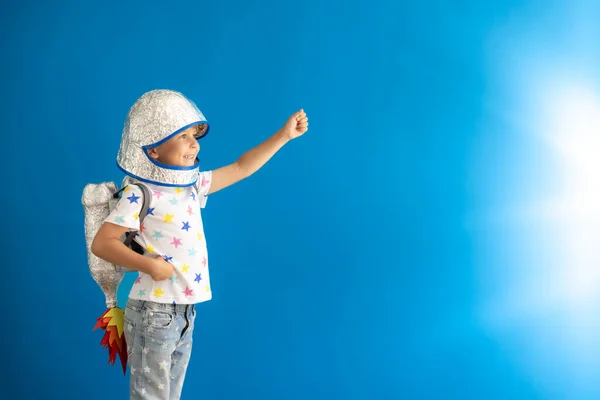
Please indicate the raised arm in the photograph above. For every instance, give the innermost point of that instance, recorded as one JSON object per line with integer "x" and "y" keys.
{"x": 254, "y": 159}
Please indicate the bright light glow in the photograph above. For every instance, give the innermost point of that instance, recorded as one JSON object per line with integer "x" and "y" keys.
{"x": 572, "y": 128}
{"x": 567, "y": 121}
{"x": 539, "y": 237}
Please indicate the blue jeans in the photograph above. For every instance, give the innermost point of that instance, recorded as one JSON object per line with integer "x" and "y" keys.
{"x": 159, "y": 345}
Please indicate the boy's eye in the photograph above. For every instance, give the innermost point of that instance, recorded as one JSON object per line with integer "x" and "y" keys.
{"x": 183, "y": 136}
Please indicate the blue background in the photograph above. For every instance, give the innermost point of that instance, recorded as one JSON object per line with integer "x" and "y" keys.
{"x": 350, "y": 266}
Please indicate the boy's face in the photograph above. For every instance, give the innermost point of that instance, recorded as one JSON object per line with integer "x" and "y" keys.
{"x": 179, "y": 151}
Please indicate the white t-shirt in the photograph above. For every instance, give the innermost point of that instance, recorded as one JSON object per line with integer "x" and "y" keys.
{"x": 173, "y": 229}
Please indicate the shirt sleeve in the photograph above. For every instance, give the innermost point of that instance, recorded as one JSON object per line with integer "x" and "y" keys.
{"x": 127, "y": 211}
{"x": 203, "y": 186}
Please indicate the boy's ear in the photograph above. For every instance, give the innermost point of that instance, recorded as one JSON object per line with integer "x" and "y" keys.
{"x": 153, "y": 153}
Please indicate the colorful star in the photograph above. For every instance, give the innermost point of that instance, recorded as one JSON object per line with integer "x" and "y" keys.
{"x": 207, "y": 288}
{"x": 157, "y": 235}
{"x": 150, "y": 211}
{"x": 186, "y": 226}
{"x": 142, "y": 292}
{"x": 174, "y": 201}
{"x": 188, "y": 292}
{"x": 158, "y": 194}
{"x": 158, "y": 292}
{"x": 176, "y": 242}
{"x": 178, "y": 190}
{"x": 193, "y": 195}
{"x": 133, "y": 198}
{"x": 199, "y": 236}
{"x": 192, "y": 251}
{"x": 150, "y": 249}
{"x": 184, "y": 268}
{"x": 167, "y": 258}
{"x": 138, "y": 280}
{"x": 168, "y": 218}
{"x": 198, "y": 278}
{"x": 142, "y": 227}
{"x": 189, "y": 211}
{"x": 174, "y": 279}
{"x": 126, "y": 189}
{"x": 204, "y": 181}
{"x": 204, "y": 260}
{"x": 119, "y": 220}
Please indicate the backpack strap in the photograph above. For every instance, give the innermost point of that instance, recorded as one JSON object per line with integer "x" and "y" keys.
{"x": 143, "y": 212}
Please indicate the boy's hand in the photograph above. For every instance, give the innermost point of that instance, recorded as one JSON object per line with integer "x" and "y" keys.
{"x": 161, "y": 269}
{"x": 296, "y": 125}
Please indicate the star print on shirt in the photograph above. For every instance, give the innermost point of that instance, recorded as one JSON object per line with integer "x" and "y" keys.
{"x": 174, "y": 279}
{"x": 204, "y": 261}
{"x": 192, "y": 252}
{"x": 150, "y": 249}
{"x": 133, "y": 198}
{"x": 204, "y": 181}
{"x": 184, "y": 268}
{"x": 136, "y": 216}
{"x": 138, "y": 280}
{"x": 142, "y": 292}
{"x": 176, "y": 242}
{"x": 150, "y": 211}
{"x": 167, "y": 258}
{"x": 158, "y": 292}
{"x": 168, "y": 218}
{"x": 198, "y": 278}
{"x": 158, "y": 194}
{"x": 178, "y": 190}
{"x": 189, "y": 211}
{"x": 119, "y": 220}
{"x": 186, "y": 226}
{"x": 188, "y": 292}
{"x": 199, "y": 236}
{"x": 142, "y": 227}
{"x": 193, "y": 195}
{"x": 174, "y": 201}
{"x": 157, "y": 235}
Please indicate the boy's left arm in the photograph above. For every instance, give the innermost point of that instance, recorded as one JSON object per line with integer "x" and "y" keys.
{"x": 254, "y": 159}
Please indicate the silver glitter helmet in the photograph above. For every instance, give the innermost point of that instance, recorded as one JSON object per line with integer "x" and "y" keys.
{"x": 154, "y": 118}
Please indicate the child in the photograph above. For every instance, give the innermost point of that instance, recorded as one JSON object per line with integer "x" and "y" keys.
{"x": 159, "y": 148}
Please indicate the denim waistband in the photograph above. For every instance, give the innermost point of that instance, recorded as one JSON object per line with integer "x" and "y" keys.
{"x": 140, "y": 305}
